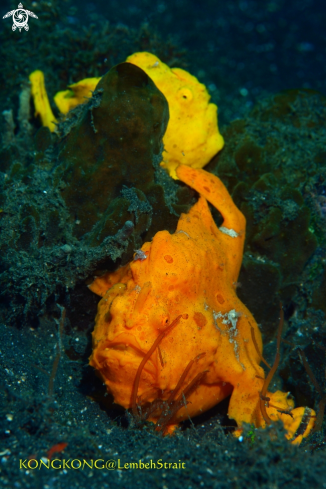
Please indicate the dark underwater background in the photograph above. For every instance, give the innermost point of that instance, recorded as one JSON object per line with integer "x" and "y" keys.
{"x": 264, "y": 64}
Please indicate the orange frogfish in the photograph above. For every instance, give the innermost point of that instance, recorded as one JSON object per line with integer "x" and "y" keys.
{"x": 172, "y": 339}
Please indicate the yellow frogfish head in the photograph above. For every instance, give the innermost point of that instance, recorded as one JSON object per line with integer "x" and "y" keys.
{"x": 172, "y": 339}
{"x": 192, "y": 136}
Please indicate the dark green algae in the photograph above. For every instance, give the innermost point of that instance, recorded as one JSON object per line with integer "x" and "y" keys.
{"x": 86, "y": 198}
{"x": 115, "y": 146}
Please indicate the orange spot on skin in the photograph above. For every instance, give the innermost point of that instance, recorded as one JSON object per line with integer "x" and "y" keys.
{"x": 205, "y": 260}
{"x": 220, "y": 299}
{"x": 168, "y": 258}
{"x": 200, "y": 320}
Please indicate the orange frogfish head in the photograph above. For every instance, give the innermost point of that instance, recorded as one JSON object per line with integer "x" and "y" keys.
{"x": 171, "y": 338}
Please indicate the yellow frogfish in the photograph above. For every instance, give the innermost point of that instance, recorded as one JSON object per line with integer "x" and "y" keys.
{"x": 192, "y": 136}
{"x": 172, "y": 339}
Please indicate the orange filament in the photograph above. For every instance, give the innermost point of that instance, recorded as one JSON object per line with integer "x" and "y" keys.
{"x": 146, "y": 358}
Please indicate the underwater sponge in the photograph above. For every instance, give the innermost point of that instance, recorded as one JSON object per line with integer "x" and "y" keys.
{"x": 107, "y": 171}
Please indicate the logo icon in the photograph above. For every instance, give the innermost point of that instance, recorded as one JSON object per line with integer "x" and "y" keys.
{"x": 20, "y": 18}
